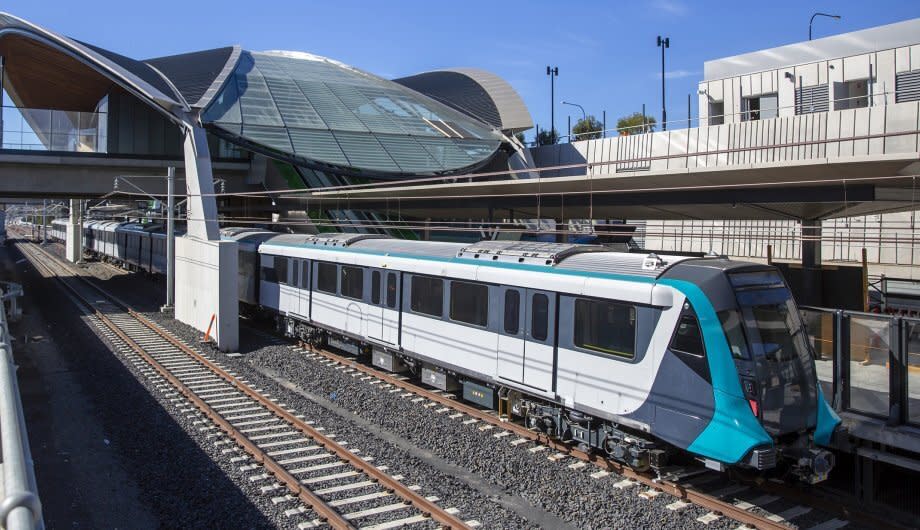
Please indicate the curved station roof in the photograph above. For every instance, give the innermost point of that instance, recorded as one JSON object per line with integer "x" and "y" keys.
{"x": 324, "y": 111}
{"x": 294, "y": 106}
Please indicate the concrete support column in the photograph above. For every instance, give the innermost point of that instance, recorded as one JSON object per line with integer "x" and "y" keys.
{"x": 206, "y": 294}
{"x": 811, "y": 262}
{"x": 74, "y": 243}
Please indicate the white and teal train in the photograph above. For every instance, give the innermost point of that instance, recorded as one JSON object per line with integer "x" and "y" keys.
{"x": 632, "y": 355}
{"x": 635, "y": 356}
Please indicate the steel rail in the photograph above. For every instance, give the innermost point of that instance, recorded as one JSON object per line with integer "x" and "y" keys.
{"x": 323, "y": 510}
{"x": 674, "y": 489}
{"x": 422, "y": 504}
{"x": 418, "y": 501}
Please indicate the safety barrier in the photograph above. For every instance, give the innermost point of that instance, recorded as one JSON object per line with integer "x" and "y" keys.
{"x": 868, "y": 363}
{"x": 20, "y": 507}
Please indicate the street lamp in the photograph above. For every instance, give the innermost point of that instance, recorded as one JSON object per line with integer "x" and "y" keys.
{"x": 819, "y": 15}
{"x": 663, "y": 43}
{"x": 584, "y": 117}
{"x": 552, "y": 72}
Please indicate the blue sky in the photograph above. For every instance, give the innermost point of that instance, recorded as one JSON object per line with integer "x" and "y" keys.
{"x": 605, "y": 51}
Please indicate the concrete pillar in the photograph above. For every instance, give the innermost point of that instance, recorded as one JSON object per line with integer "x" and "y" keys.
{"x": 811, "y": 263}
{"x": 206, "y": 295}
{"x": 74, "y": 243}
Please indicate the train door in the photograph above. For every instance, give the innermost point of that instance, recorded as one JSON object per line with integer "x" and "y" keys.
{"x": 304, "y": 285}
{"x": 527, "y": 338}
{"x": 391, "y": 290}
{"x": 510, "y": 355}
{"x": 291, "y": 299}
{"x": 383, "y": 311}
{"x": 540, "y": 343}
{"x": 375, "y": 324}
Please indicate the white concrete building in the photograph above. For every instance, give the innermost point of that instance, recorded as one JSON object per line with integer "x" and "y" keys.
{"x": 843, "y": 81}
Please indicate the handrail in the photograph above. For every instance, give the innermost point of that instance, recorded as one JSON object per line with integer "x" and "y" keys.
{"x": 678, "y": 123}
{"x": 20, "y": 507}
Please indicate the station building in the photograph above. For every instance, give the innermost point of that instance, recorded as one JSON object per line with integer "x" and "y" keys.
{"x": 842, "y": 82}
{"x": 239, "y": 124}
{"x": 276, "y": 120}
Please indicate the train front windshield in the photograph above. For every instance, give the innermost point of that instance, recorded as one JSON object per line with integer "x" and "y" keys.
{"x": 779, "y": 345}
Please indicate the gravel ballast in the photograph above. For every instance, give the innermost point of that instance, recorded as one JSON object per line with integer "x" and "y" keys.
{"x": 485, "y": 477}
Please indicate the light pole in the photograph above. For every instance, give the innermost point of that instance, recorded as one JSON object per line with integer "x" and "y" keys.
{"x": 663, "y": 43}
{"x": 584, "y": 117}
{"x": 553, "y": 73}
{"x": 811, "y": 21}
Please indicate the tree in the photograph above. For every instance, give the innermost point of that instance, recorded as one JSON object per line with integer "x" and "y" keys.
{"x": 587, "y": 129}
{"x": 547, "y": 137}
{"x": 633, "y": 124}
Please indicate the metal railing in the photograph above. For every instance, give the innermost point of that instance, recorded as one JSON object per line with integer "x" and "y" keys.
{"x": 20, "y": 507}
{"x": 798, "y": 109}
{"x": 868, "y": 363}
{"x": 54, "y": 130}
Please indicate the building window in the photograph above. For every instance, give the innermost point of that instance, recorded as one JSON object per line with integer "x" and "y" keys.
{"x": 606, "y": 327}
{"x": 512, "y": 312}
{"x": 326, "y": 277}
{"x": 281, "y": 269}
{"x": 427, "y": 296}
{"x": 353, "y": 282}
{"x": 760, "y": 107}
{"x": 469, "y": 303}
{"x": 851, "y": 94}
{"x": 539, "y": 323}
{"x": 375, "y": 287}
{"x": 716, "y": 112}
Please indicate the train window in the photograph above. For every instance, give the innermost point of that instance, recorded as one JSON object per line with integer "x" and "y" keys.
{"x": 734, "y": 334}
{"x": 469, "y": 302}
{"x": 281, "y": 269}
{"x": 512, "y": 312}
{"x": 295, "y": 271}
{"x": 688, "y": 337}
{"x": 304, "y": 283}
{"x": 427, "y": 295}
{"x": 539, "y": 323}
{"x": 605, "y": 327}
{"x": 326, "y": 277}
{"x": 375, "y": 287}
{"x": 391, "y": 289}
{"x": 353, "y": 282}
{"x": 268, "y": 275}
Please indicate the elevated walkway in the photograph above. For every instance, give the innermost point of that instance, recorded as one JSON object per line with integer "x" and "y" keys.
{"x": 809, "y": 166}
{"x": 43, "y": 174}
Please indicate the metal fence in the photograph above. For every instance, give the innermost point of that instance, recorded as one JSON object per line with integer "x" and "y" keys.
{"x": 868, "y": 363}
{"x": 20, "y": 508}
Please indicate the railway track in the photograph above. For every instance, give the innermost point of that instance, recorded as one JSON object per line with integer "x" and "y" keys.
{"x": 768, "y": 505}
{"x": 299, "y": 463}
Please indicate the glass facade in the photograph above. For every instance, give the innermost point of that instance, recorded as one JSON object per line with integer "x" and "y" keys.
{"x": 317, "y": 110}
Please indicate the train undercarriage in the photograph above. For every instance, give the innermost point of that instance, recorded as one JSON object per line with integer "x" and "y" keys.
{"x": 588, "y": 433}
